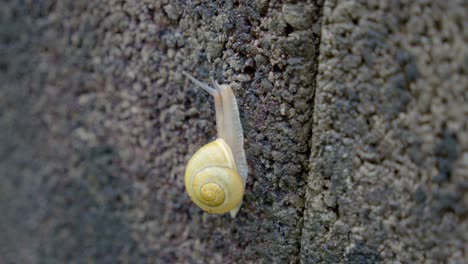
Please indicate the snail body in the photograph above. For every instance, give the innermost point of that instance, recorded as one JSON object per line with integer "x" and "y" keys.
{"x": 215, "y": 176}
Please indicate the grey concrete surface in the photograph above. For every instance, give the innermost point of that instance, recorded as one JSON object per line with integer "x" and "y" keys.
{"x": 97, "y": 124}
{"x": 389, "y": 165}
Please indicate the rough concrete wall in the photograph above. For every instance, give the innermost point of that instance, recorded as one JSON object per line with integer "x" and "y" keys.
{"x": 389, "y": 164}
{"x": 113, "y": 123}
{"x": 97, "y": 124}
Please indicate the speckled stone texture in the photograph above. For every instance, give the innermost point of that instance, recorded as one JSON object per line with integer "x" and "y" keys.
{"x": 389, "y": 165}
{"x": 355, "y": 118}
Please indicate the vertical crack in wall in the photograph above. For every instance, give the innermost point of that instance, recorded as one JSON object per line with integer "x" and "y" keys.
{"x": 316, "y": 57}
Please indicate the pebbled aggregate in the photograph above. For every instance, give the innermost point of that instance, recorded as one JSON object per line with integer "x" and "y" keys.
{"x": 388, "y": 177}
{"x": 354, "y": 114}
{"x": 98, "y": 124}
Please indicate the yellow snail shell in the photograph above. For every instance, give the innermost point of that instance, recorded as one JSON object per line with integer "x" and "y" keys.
{"x": 211, "y": 179}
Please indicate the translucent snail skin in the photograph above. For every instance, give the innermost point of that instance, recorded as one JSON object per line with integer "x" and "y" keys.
{"x": 216, "y": 174}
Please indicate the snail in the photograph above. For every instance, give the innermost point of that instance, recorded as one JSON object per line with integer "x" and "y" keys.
{"x": 215, "y": 176}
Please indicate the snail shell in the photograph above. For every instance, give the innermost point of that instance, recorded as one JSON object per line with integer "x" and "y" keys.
{"x": 211, "y": 179}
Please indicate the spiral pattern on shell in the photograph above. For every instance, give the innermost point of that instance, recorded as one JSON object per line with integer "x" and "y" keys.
{"x": 211, "y": 179}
